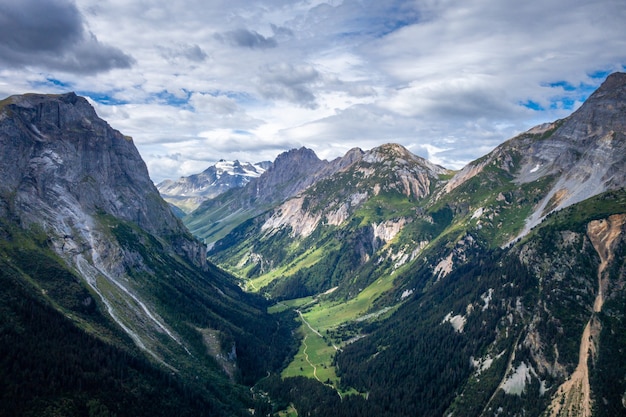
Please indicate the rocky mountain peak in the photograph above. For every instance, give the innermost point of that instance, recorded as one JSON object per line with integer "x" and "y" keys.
{"x": 396, "y": 154}
{"x": 187, "y": 193}
{"x": 612, "y": 86}
{"x": 392, "y": 150}
{"x": 293, "y": 171}
{"x": 50, "y": 112}
{"x": 294, "y": 157}
{"x": 62, "y": 166}
{"x": 603, "y": 112}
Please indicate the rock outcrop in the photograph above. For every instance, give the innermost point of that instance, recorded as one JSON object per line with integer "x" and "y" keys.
{"x": 62, "y": 165}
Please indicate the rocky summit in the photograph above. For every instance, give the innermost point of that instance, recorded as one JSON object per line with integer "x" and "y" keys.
{"x": 62, "y": 164}
{"x": 187, "y": 193}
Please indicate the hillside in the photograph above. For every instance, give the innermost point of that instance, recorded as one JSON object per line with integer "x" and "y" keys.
{"x": 478, "y": 293}
{"x": 390, "y": 286}
{"x": 108, "y": 300}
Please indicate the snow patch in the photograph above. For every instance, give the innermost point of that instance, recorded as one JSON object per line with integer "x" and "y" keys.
{"x": 536, "y": 168}
{"x": 405, "y": 294}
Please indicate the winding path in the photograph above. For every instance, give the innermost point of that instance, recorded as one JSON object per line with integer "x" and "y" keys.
{"x": 306, "y": 356}
{"x": 311, "y": 327}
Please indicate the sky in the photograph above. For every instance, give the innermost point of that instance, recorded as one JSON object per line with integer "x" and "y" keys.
{"x": 196, "y": 81}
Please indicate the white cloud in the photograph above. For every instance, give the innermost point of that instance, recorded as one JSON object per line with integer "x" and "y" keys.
{"x": 194, "y": 82}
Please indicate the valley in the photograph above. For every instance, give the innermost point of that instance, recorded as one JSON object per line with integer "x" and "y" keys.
{"x": 368, "y": 244}
{"x": 376, "y": 284}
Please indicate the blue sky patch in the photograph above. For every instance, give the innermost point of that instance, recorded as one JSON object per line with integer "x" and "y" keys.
{"x": 102, "y": 98}
{"x": 566, "y": 103}
{"x": 52, "y": 82}
{"x": 533, "y": 105}
{"x": 601, "y": 74}
{"x": 170, "y": 99}
{"x": 562, "y": 84}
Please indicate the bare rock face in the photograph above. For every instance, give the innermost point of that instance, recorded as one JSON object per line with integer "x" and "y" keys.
{"x": 571, "y": 159}
{"x": 586, "y": 152}
{"x": 62, "y": 165}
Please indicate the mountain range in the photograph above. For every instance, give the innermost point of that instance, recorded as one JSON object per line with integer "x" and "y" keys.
{"x": 375, "y": 284}
{"x": 383, "y": 249}
{"x": 187, "y": 193}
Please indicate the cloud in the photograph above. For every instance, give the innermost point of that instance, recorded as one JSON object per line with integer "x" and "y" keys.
{"x": 51, "y": 35}
{"x": 294, "y": 83}
{"x": 247, "y": 80}
{"x": 192, "y": 53}
{"x": 246, "y": 39}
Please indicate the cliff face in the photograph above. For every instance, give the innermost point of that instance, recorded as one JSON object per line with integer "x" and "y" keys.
{"x": 570, "y": 160}
{"x": 125, "y": 292}
{"x": 69, "y": 174}
{"x": 61, "y": 165}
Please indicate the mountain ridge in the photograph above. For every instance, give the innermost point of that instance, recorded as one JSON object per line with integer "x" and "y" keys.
{"x": 189, "y": 192}
{"x": 495, "y": 266}
{"x": 88, "y": 239}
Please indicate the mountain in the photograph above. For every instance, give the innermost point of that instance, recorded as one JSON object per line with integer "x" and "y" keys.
{"x": 392, "y": 286}
{"x": 109, "y": 306}
{"x": 187, "y": 193}
{"x": 496, "y": 290}
{"x": 342, "y": 224}
{"x": 290, "y": 173}
{"x": 567, "y": 161}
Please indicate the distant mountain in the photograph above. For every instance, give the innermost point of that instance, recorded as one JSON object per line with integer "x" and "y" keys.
{"x": 496, "y": 290}
{"x": 109, "y": 306}
{"x": 187, "y": 193}
{"x": 290, "y": 173}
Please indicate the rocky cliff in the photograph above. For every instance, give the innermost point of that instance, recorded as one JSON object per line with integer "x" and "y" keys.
{"x": 569, "y": 160}
{"x": 67, "y": 175}
{"x": 62, "y": 165}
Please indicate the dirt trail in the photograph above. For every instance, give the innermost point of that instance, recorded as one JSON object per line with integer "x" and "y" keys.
{"x": 306, "y": 356}
{"x": 573, "y": 398}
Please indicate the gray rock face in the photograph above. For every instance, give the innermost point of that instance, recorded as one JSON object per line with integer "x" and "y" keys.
{"x": 586, "y": 153}
{"x": 62, "y": 165}
{"x": 577, "y": 157}
{"x": 68, "y": 173}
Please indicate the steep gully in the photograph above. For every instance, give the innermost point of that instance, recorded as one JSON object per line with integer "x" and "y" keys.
{"x": 573, "y": 398}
